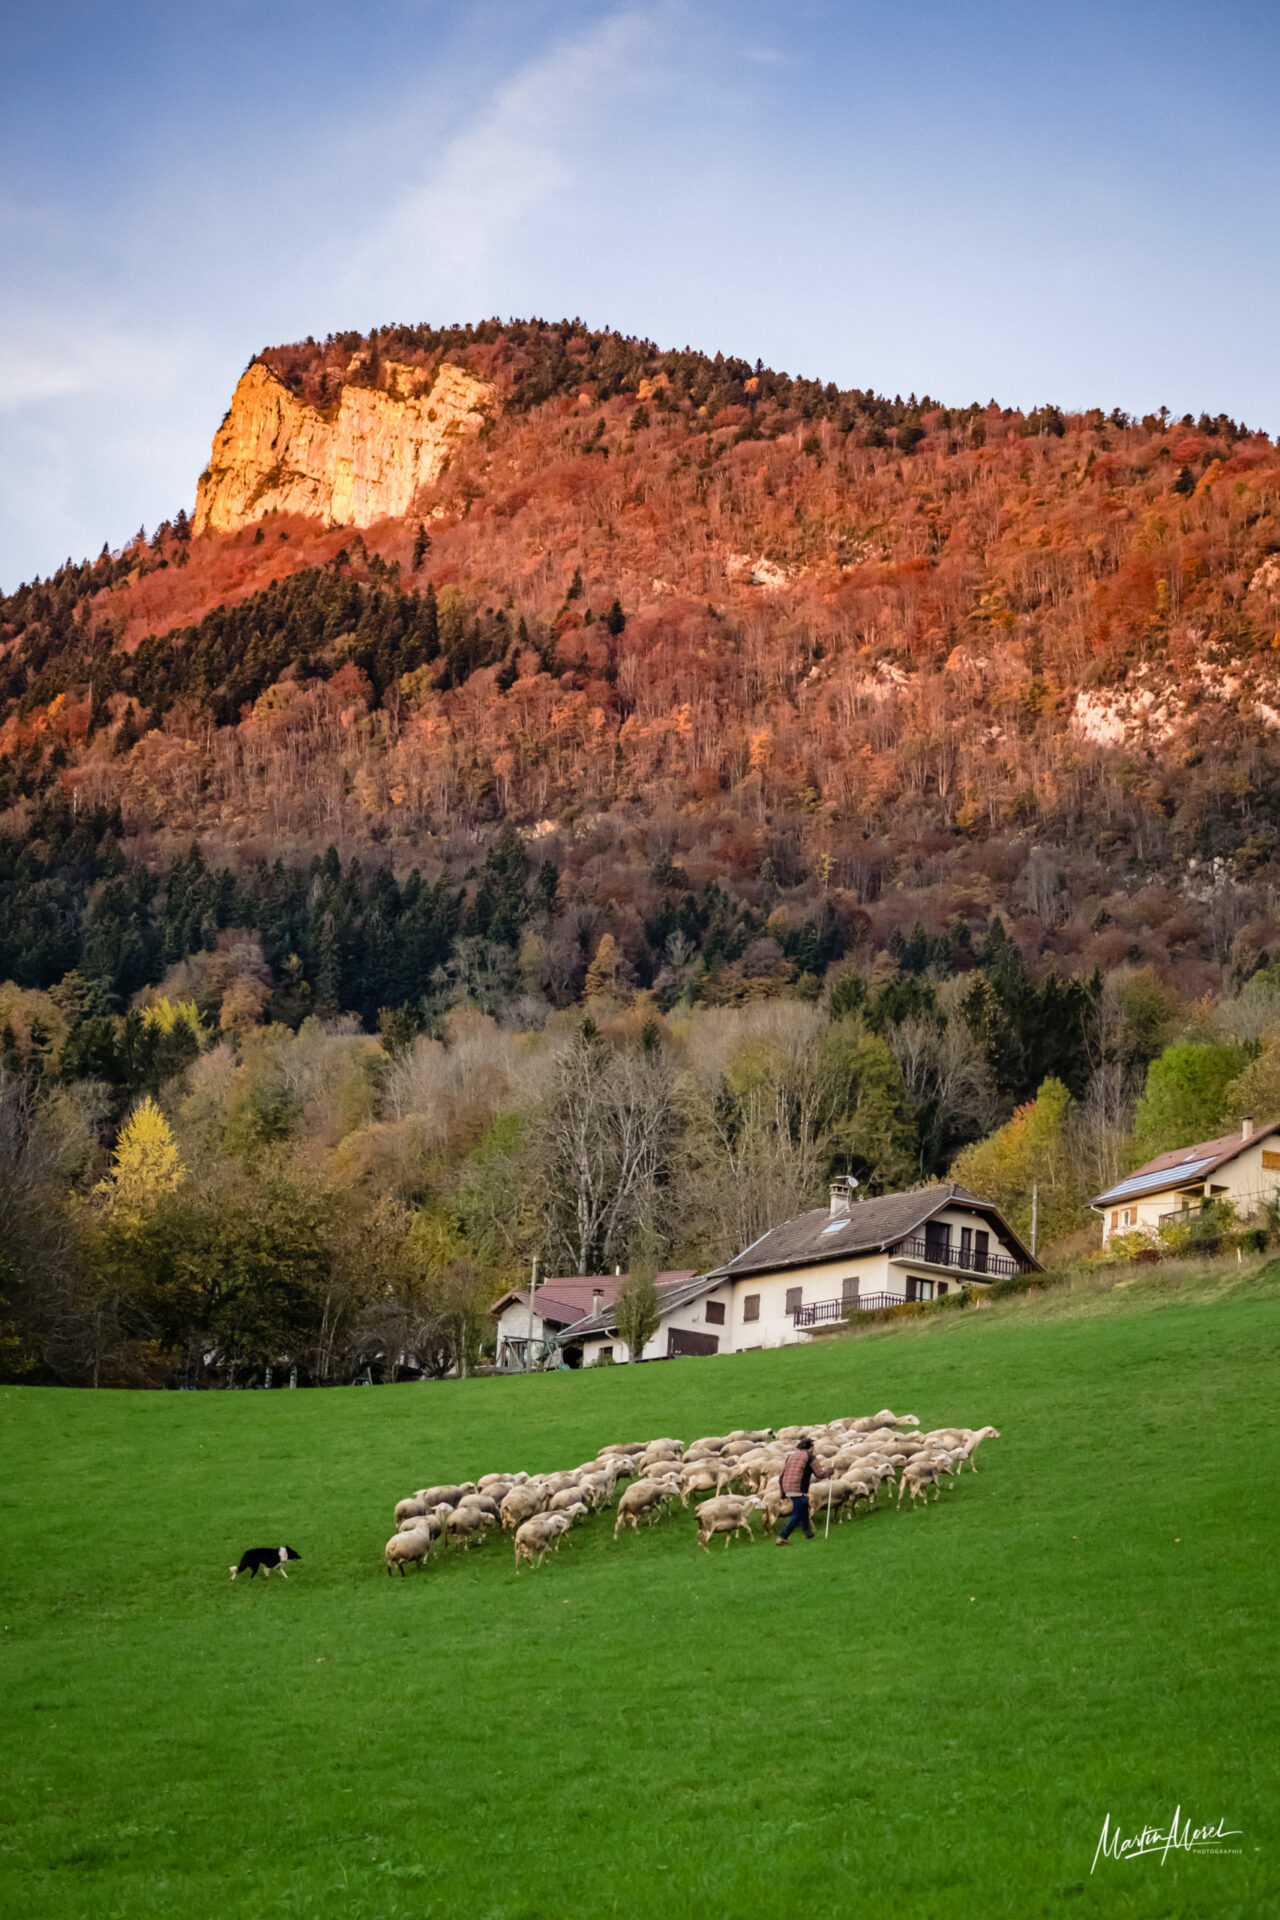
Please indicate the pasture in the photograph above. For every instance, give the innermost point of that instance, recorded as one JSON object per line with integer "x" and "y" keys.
{"x": 928, "y": 1715}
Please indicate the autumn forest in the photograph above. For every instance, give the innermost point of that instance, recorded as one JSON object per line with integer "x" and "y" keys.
{"x": 782, "y": 780}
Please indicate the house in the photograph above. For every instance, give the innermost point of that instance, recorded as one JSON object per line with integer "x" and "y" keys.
{"x": 860, "y": 1254}
{"x": 1241, "y": 1168}
{"x": 561, "y": 1301}
{"x": 693, "y": 1310}
{"x": 813, "y": 1270}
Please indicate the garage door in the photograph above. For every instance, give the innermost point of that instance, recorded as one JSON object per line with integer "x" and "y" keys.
{"x": 680, "y": 1340}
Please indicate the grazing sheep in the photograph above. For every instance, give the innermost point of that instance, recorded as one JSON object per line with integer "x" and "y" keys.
{"x": 728, "y": 1515}
{"x": 408, "y": 1549}
{"x": 566, "y": 1498}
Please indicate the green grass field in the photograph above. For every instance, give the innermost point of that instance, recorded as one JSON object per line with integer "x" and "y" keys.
{"x": 926, "y": 1717}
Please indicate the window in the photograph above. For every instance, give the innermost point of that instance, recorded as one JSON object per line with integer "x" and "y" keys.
{"x": 715, "y": 1313}
{"x": 1270, "y": 1160}
{"x": 751, "y": 1307}
{"x": 981, "y": 1244}
{"x": 849, "y": 1287}
{"x": 942, "y": 1286}
{"x": 794, "y": 1296}
{"x": 1115, "y": 1218}
{"x": 966, "y": 1246}
{"x": 918, "y": 1288}
{"x": 604, "y": 1357}
{"x": 937, "y": 1241}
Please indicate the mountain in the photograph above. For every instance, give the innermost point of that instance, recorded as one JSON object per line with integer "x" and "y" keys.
{"x": 565, "y": 644}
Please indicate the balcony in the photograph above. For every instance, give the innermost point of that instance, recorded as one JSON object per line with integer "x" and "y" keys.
{"x": 935, "y": 1253}
{"x": 823, "y": 1313}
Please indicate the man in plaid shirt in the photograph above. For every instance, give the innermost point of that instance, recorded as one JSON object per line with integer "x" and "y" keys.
{"x": 798, "y": 1469}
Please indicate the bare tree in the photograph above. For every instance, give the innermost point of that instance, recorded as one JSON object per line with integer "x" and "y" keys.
{"x": 945, "y": 1073}
{"x": 604, "y": 1135}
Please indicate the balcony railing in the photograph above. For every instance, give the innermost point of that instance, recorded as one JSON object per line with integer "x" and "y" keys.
{"x": 992, "y": 1266}
{"x": 823, "y": 1312}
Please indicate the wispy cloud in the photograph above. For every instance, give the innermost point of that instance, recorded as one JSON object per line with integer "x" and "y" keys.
{"x": 522, "y": 153}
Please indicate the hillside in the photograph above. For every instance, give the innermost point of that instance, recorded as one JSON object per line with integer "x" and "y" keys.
{"x": 765, "y": 673}
{"x": 930, "y": 1714}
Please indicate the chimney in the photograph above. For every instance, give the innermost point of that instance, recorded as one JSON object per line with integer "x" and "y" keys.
{"x": 1246, "y": 1128}
{"x": 840, "y": 1197}
{"x": 597, "y": 1301}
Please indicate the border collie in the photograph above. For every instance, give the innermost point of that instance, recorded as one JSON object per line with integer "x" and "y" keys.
{"x": 266, "y": 1558}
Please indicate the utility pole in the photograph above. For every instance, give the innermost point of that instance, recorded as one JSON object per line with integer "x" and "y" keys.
{"x": 533, "y": 1295}
{"x": 1035, "y": 1215}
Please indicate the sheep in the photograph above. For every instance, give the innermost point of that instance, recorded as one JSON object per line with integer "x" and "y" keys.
{"x": 433, "y": 1496}
{"x": 827, "y": 1494}
{"x": 521, "y": 1504}
{"x": 700, "y": 1478}
{"x": 432, "y": 1523}
{"x": 973, "y": 1442}
{"x": 917, "y": 1477}
{"x": 537, "y": 1535}
{"x": 411, "y": 1548}
{"x": 566, "y": 1498}
{"x": 728, "y": 1515}
{"x": 642, "y": 1496}
{"x": 468, "y": 1524}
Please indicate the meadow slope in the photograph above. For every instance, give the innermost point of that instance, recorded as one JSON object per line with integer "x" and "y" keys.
{"x": 929, "y": 1714}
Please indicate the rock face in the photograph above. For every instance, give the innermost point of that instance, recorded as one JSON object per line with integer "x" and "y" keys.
{"x": 360, "y": 462}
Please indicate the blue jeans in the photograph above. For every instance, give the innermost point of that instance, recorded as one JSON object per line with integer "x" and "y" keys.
{"x": 799, "y": 1517}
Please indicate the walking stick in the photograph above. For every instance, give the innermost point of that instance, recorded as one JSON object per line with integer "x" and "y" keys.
{"x": 826, "y": 1531}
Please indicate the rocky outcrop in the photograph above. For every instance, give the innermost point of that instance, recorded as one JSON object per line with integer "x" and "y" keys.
{"x": 361, "y": 461}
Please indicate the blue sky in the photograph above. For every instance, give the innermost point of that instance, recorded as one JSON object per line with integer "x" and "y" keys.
{"x": 1068, "y": 202}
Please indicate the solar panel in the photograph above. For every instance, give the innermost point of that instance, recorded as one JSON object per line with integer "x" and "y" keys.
{"x": 1168, "y": 1177}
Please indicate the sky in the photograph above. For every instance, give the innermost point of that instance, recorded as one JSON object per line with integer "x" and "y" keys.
{"x": 1077, "y": 203}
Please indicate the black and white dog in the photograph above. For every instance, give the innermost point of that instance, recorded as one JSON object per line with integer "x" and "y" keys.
{"x": 266, "y": 1558}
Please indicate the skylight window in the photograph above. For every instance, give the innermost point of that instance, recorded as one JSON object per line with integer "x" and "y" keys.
{"x": 837, "y": 1226}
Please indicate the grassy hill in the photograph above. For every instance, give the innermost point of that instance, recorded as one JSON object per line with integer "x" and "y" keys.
{"x": 928, "y": 1715}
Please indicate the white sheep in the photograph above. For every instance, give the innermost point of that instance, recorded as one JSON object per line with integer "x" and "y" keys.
{"x": 408, "y": 1549}
{"x": 730, "y": 1514}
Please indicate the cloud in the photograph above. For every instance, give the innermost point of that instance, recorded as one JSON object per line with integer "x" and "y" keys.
{"x": 517, "y": 159}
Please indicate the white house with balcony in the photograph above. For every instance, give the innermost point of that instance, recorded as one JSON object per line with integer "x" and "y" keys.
{"x": 815, "y": 1270}
{"x": 1242, "y": 1169}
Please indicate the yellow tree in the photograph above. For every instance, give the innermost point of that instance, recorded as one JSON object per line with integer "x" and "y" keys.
{"x": 145, "y": 1165}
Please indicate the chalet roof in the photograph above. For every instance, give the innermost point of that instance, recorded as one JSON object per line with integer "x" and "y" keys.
{"x": 563, "y": 1297}
{"x": 676, "y": 1288}
{"x": 1175, "y": 1169}
{"x": 869, "y": 1226}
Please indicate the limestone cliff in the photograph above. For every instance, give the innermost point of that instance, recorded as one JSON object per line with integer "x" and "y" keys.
{"x": 360, "y": 462}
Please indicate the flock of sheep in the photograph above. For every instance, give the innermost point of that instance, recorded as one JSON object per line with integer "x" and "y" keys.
{"x": 740, "y": 1470}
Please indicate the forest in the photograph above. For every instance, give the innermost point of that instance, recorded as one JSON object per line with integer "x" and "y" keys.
{"x": 796, "y": 779}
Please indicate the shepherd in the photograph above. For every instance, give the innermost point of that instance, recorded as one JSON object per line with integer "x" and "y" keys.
{"x": 798, "y": 1469}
